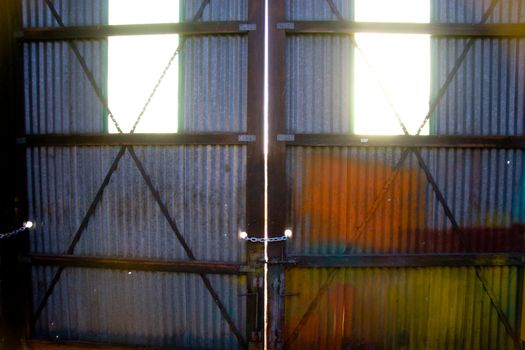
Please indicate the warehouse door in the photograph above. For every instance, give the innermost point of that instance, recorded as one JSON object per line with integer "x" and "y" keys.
{"x": 399, "y": 242}
{"x": 136, "y": 240}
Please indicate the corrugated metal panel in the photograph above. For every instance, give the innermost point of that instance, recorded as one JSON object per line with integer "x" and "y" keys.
{"x": 318, "y": 84}
{"x": 410, "y": 308}
{"x": 334, "y": 189}
{"x": 35, "y": 13}
{"x": 309, "y": 10}
{"x": 215, "y": 83}
{"x": 486, "y": 95}
{"x": 319, "y": 71}
{"x": 215, "y": 72}
{"x": 59, "y": 98}
{"x": 482, "y": 187}
{"x": 203, "y": 187}
{"x": 132, "y": 307}
{"x": 223, "y": 10}
{"x": 471, "y": 11}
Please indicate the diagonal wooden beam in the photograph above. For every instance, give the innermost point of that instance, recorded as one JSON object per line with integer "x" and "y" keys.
{"x": 325, "y": 286}
{"x": 164, "y": 209}
{"x": 78, "y": 234}
{"x": 146, "y": 177}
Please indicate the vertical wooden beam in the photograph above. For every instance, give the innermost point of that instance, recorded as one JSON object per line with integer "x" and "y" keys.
{"x": 277, "y": 186}
{"x": 520, "y": 314}
{"x": 14, "y": 277}
{"x": 255, "y": 172}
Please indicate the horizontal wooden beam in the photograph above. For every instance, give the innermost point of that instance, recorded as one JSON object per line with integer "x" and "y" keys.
{"x": 509, "y": 142}
{"x": 434, "y": 29}
{"x": 431, "y": 141}
{"x": 34, "y": 344}
{"x": 103, "y": 31}
{"x": 403, "y": 260}
{"x": 181, "y": 266}
{"x": 135, "y": 139}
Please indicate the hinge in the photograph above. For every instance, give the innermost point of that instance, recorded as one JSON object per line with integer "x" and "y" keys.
{"x": 285, "y": 137}
{"x": 247, "y": 138}
{"x": 247, "y": 27}
{"x": 286, "y": 25}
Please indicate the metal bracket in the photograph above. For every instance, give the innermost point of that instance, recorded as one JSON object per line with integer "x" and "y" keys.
{"x": 285, "y": 137}
{"x": 286, "y": 25}
{"x": 247, "y": 138}
{"x": 247, "y": 27}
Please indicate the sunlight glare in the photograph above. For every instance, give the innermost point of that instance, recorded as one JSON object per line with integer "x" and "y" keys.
{"x": 136, "y": 62}
{"x": 402, "y": 64}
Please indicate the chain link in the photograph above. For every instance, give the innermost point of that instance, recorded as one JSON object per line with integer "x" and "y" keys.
{"x": 264, "y": 239}
{"x": 178, "y": 50}
{"x": 24, "y": 227}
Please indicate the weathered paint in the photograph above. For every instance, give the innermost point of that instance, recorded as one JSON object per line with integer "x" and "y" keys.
{"x": 401, "y": 308}
{"x": 334, "y": 190}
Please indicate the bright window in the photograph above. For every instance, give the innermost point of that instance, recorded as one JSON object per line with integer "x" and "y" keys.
{"x": 400, "y": 62}
{"x": 136, "y": 62}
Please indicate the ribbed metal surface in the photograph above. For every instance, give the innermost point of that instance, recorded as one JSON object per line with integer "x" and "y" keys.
{"x": 58, "y": 96}
{"x": 318, "y": 84}
{"x": 203, "y": 187}
{"x": 223, "y": 10}
{"x": 484, "y": 188}
{"x": 333, "y": 191}
{"x": 486, "y": 95}
{"x": 334, "y": 207}
{"x": 147, "y": 308}
{"x": 319, "y": 73}
{"x": 214, "y": 70}
{"x": 35, "y": 13}
{"x": 461, "y": 11}
{"x": 414, "y": 308}
{"x": 215, "y": 83}
{"x": 309, "y": 10}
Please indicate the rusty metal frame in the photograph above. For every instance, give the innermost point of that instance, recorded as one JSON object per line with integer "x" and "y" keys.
{"x": 403, "y": 260}
{"x": 277, "y": 186}
{"x": 255, "y": 205}
{"x": 479, "y": 30}
{"x": 342, "y": 26}
{"x": 72, "y": 140}
{"x": 405, "y": 141}
{"x": 156, "y": 265}
{"x": 255, "y": 158}
{"x": 104, "y": 31}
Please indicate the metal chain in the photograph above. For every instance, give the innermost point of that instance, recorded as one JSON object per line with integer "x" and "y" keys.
{"x": 371, "y": 69}
{"x": 157, "y": 85}
{"x": 25, "y": 226}
{"x": 264, "y": 239}
{"x": 198, "y": 16}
